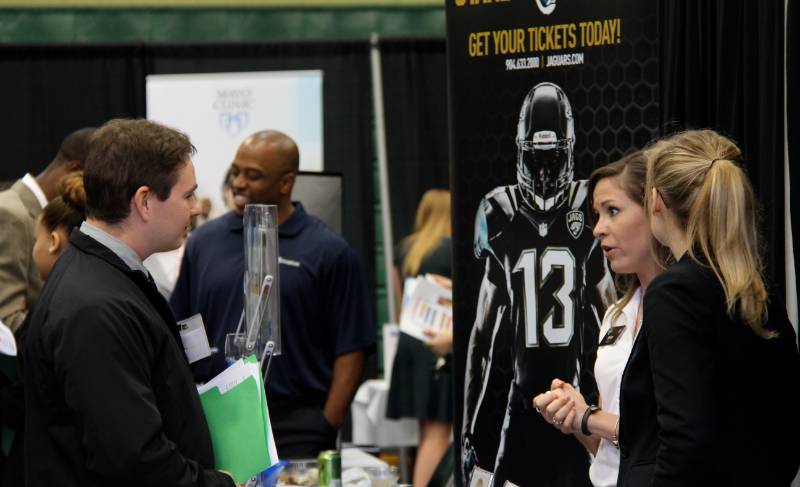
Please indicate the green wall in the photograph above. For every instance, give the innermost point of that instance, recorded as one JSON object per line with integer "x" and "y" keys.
{"x": 215, "y": 24}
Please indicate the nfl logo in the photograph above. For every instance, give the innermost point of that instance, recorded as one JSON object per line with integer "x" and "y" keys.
{"x": 575, "y": 223}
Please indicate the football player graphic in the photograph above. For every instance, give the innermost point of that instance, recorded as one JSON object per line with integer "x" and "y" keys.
{"x": 545, "y": 287}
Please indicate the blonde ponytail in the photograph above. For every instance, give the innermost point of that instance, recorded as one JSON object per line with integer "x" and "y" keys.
{"x": 697, "y": 175}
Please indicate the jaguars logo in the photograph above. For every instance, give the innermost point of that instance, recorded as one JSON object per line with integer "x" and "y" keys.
{"x": 575, "y": 223}
{"x": 546, "y": 6}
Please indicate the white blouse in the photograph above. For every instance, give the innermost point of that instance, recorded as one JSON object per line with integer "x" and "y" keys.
{"x": 608, "y": 368}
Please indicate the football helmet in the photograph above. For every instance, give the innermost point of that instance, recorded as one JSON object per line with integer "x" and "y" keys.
{"x": 545, "y": 141}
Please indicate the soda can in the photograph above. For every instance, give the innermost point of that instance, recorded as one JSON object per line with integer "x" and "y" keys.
{"x": 329, "y": 463}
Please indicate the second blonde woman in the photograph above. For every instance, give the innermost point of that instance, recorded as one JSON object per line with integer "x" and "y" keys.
{"x": 421, "y": 385}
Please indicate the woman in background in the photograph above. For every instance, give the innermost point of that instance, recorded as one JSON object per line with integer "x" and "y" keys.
{"x": 715, "y": 363}
{"x": 616, "y": 199}
{"x": 421, "y": 384}
{"x": 61, "y": 215}
{"x": 57, "y": 220}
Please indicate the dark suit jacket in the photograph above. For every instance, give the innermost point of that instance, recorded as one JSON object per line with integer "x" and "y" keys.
{"x": 704, "y": 401}
{"x": 110, "y": 399}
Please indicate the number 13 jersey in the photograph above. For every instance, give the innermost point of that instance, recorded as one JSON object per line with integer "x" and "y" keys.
{"x": 555, "y": 283}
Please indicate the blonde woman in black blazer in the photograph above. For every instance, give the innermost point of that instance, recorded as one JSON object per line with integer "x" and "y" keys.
{"x": 709, "y": 392}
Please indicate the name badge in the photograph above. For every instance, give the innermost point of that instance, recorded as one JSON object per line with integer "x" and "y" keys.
{"x": 480, "y": 478}
{"x": 193, "y": 336}
{"x": 612, "y": 336}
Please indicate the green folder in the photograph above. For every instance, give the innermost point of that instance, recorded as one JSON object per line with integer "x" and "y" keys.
{"x": 238, "y": 420}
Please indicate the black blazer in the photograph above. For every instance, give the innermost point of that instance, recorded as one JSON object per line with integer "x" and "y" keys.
{"x": 109, "y": 396}
{"x": 703, "y": 400}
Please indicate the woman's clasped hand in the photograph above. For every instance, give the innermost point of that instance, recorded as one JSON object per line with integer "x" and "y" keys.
{"x": 562, "y": 406}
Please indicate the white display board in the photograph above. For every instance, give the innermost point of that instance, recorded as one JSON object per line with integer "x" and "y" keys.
{"x": 218, "y": 111}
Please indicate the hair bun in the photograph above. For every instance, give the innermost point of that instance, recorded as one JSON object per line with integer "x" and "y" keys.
{"x": 72, "y": 192}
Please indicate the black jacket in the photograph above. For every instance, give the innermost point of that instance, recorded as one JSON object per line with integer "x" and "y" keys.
{"x": 704, "y": 400}
{"x": 110, "y": 399}
{"x": 12, "y": 412}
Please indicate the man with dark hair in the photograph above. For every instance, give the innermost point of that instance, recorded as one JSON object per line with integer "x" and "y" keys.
{"x": 20, "y": 206}
{"x": 326, "y": 320}
{"x": 110, "y": 399}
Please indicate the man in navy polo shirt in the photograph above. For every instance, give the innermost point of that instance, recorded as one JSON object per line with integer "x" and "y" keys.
{"x": 326, "y": 319}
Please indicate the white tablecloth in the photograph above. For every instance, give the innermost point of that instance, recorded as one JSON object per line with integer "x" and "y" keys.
{"x": 370, "y": 425}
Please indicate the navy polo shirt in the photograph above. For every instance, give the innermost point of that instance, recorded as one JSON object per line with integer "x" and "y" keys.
{"x": 325, "y": 311}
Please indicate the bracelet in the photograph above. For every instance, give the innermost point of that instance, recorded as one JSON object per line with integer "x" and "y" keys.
{"x": 615, "y": 438}
{"x": 585, "y": 419}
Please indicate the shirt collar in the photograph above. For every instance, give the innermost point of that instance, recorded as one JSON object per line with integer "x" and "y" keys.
{"x": 125, "y": 253}
{"x": 31, "y": 183}
{"x": 295, "y": 223}
{"x": 291, "y": 227}
{"x": 234, "y": 221}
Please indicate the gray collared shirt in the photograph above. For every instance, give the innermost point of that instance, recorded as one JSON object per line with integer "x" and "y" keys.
{"x": 128, "y": 256}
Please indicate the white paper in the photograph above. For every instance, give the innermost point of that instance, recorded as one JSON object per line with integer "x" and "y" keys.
{"x": 8, "y": 345}
{"x": 231, "y": 377}
{"x": 193, "y": 336}
{"x": 427, "y": 305}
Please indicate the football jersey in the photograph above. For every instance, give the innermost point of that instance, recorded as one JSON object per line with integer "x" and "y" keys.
{"x": 552, "y": 270}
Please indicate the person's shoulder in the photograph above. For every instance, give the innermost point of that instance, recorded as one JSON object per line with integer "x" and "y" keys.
{"x": 11, "y": 191}
{"x": 215, "y": 226}
{"x": 210, "y": 231}
{"x": 11, "y": 205}
{"x": 74, "y": 266}
{"x": 501, "y": 203}
{"x": 85, "y": 283}
{"x": 577, "y": 194}
{"x": 686, "y": 279}
{"x": 687, "y": 269}
{"x": 8, "y": 194}
{"x": 495, "y": 212}
{"x": 323, "y": 235}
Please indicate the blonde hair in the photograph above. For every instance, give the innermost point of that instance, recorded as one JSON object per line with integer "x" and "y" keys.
{"x": 431, "y": 225}
{"x": 629, "y": 174}
{"x": 698, "y": 176}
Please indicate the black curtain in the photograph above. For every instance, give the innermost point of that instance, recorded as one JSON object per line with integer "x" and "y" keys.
{"x": 48, "y": 91}
{"x": 415, "y": 104}
{"x": 722, "y": 67}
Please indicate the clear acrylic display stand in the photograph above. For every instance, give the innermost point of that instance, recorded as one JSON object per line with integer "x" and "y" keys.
{"x": 262, "y": 313}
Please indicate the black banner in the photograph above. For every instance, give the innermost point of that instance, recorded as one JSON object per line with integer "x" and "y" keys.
{"x": 540, "y": 94}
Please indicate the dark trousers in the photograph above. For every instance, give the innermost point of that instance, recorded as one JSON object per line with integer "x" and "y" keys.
{"x": 301, "y": 431}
